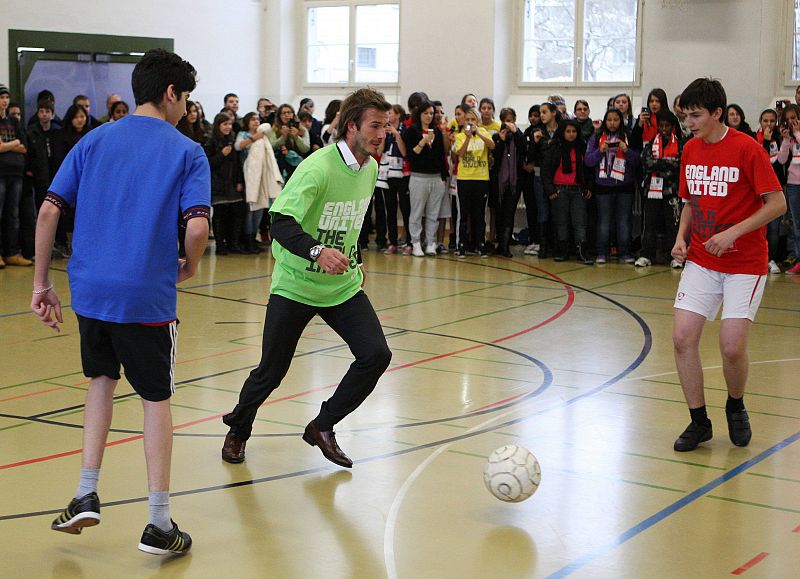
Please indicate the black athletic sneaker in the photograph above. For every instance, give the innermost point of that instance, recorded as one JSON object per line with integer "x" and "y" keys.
{"x": 739, "y": 427}
{"x": 158, "y": 542}
{"x": 693, "y": 435}
{"x": 80, "y": 513}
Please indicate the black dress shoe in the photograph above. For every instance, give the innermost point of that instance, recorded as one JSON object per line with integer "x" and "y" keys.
{"x": 233, "y": 449}
{"x": 693, "y": 435}
{"x": 326, "y": 441}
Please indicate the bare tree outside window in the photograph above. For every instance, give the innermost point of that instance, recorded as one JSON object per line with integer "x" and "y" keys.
{"x": 599, "y": 47}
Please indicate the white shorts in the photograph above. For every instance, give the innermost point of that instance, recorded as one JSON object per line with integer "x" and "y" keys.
{"x": 702, "y": 291}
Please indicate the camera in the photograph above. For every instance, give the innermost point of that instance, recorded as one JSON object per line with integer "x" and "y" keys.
{"x": 779, "y": 106}
{"x": 613, "y": 145}
{"x": 293, "y": 124}
{"x": 469, "y": 127}
{"x": 646, "y": 110}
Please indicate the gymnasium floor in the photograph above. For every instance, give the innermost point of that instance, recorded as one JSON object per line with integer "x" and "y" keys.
{"x": 573, "y": 362}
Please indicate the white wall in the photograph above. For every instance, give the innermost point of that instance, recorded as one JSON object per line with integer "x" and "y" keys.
{"x": 448, "y": 47}
{"x": 225, "y": 61}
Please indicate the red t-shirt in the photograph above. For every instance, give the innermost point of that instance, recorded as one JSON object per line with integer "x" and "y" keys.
{"x": 561, "y": 178}
{"x": 724, "y": 182}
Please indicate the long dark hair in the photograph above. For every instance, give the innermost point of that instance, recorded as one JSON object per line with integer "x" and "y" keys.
{"x": 72, "y": 112}
{"x": 416, "y": 116}
{"x": 215, "y": 132}
{"x": 743, "y": 125}
{"x": 331, "y": 110}
{"x": 194, "y": 131}
{"x": 661, "y": 95}
{"x": 278, "y": 123}
{"x": 553, "y": 109}
{"x": 566, "y": 147}
{"x": 621, "y": 132}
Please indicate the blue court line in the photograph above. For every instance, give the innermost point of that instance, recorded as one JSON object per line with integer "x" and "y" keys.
{"x": 672, "y": 509}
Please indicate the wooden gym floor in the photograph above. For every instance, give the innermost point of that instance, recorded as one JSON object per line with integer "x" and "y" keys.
{"x": 573, "y": 362}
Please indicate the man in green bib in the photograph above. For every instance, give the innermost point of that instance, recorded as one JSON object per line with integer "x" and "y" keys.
{"x": 316, "y": 221}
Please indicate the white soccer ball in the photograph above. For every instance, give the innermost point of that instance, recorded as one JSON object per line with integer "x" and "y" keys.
{"x": 512, "y": 473}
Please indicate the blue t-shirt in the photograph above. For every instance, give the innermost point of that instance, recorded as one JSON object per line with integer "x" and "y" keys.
{"x": 129, "y": 182}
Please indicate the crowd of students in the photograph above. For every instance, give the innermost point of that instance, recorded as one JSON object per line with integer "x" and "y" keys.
{"x": 593, "y": 190}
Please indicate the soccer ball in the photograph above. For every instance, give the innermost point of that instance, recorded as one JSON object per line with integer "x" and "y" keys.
{"x": 512, "y": 473}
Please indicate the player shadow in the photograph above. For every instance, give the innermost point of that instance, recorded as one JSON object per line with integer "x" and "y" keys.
{"x": 356, "y": 546}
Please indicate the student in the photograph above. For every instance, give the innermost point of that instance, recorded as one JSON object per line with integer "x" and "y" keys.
{"x": 317, "y": 272}
{"x": 721, "y": 240}
{"x": 393, "y": 169}
{"x": 509, "y": 154}
{"x": 647, "y": 126}
{"x": 472, "y": 148}
{"x": 587, "y": 128}
{"x": 564, "y": 182}
{"x": 124, "y": 293}
{"x": 227, "y": 185}
{"x": 769, "y": 137}
{"x": 615, "y": 163}
{"x": 539, "y": 139}
{"x": 13, "y": 146}
{"x": 661, "y": 162}
{"x": 789, "y": 154}
{"x": 492, "y": 125}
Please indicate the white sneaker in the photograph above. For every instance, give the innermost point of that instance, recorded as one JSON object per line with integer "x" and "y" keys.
{"x": 642, "y": 262}
{"x": 675, "y": 264}
{"x": 430, "y": 249}
{"x": 774, "y": 267}
{"x": 532, "y": 249}
{"x": 416, "y": 249}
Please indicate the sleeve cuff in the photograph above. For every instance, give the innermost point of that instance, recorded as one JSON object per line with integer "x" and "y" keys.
{"x": 57, "y": 201}
{"x": 197, "y": 211}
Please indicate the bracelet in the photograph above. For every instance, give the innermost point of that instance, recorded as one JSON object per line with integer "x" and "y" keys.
{"x": 43, "y": 291}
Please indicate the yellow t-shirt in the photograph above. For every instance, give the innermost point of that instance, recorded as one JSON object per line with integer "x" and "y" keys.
{"x": 474, "y": 165}
{"x": 493, "y": 127}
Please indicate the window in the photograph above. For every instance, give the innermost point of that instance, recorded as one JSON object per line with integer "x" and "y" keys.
{"x": 795, "y": 74}
{"x": 579, "y": 41}
{"x": 353, "y": 44}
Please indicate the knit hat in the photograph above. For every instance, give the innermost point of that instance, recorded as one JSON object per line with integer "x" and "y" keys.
{"x": 4, "y": 89}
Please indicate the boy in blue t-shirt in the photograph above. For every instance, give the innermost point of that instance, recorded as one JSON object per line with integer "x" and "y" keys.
{"x": 128, "y": 182}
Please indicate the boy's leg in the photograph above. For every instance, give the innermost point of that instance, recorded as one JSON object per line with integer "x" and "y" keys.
{"x": 733, "y": 336}
{"x": 158, "y": 455}
{"x": 99, "y": 410}
{"x": 686, "y": 339}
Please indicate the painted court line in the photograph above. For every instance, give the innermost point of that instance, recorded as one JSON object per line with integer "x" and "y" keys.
{"x": 751, "y": 563}
{"x": 31, "y": 394}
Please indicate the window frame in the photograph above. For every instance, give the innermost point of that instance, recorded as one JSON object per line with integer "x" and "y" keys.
{"x": 577, "y": 64}
{"x": 353, "y": 57}
{"x": 791, "y": 7}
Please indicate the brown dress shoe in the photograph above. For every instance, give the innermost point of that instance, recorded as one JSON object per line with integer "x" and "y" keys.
{"x": 18, "y": 260}
{"x": 233, "y": 448}
{"x": 326, "y": 441}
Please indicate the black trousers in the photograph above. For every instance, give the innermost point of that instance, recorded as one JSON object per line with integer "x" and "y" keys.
{"x": 659, "y": 217}
{"x": 472, "y": 203}
{"x": 355, "y": 321}
{"x": 393, "y": 197}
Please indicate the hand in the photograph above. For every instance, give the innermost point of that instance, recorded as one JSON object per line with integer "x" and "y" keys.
{"x": 294, "y": 131}
{"x": 390, "y": 129}
{"x": 503, "y": 134}
{"x": 284, "y": 130}
{"x": 720, "y": 243}
{"x": 226, "y": 150}
{"x": 43, "y": 305}
{"x": 335, "y": 120}
{"x": 184, "y": 270}
{"x": 529, "y": 168}
{"x": 239, "y": 187}
{"x": 643, "y": 117}
{"x": 603, "y": 148}
{"x": 430, "y": 136}
{"x": 553, "y": 196}
{"x": 333, "y": 261}
{"x": 537, "y": 135}
{"x": 768, "y": 134}
{"x": 785, "y": 132}
{"x": 284, "y": 150}
{"x": 511, "y": 126}
{"x": 587, "y": 194}
{"x": 258, "y": 135}
{"x": 596, "y": 123}
{"x": 795, "y": 125}
{"x": 623, "y": 146}
{"x": 679, "y": 251}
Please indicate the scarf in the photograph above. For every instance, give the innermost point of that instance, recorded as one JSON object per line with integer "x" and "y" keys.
{"x": 650, "y": 128}
{"x": 773, "y": 145}
{"x": 616, "y": 160}
{"x": 670, "y": 151}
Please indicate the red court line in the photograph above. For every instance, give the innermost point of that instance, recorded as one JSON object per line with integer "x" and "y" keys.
{"x": 796, "y": 529}
{"x": 561, "y": 312}
{"x": 500, "y": 402}
{"x": 31, "y": 394}
{"x": 751, "y": 563}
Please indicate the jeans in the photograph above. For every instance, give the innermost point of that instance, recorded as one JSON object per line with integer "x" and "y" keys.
{"x": 10, "y": 193}
{"x": 614, "y": 208}
{"x": 356, "y": 323}
{"x": 396, "y": 196}
{"x": 426, "y": 193}
{"x": 570, "y": 211}
{"x": 472, "y": 213}
{"x": 659, "y": 214}
{"x": 793, "y": 199}
{"x": 252, "y": 221}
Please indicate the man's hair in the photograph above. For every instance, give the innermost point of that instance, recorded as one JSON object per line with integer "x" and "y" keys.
{"x": 45, "y": 103}
{"x": 353, "y": 108}
{"x": 79, "y": 97}
{"x": 158, "y": 69}
{"x": 229, "y": 95}
{"x": 705, "y": 93}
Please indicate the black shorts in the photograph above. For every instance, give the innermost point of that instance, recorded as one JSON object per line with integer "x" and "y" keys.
{"x": 147, "y": 353}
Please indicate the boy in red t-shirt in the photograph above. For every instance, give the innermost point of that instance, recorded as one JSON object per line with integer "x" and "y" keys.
{"x": 731, "y": 193}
